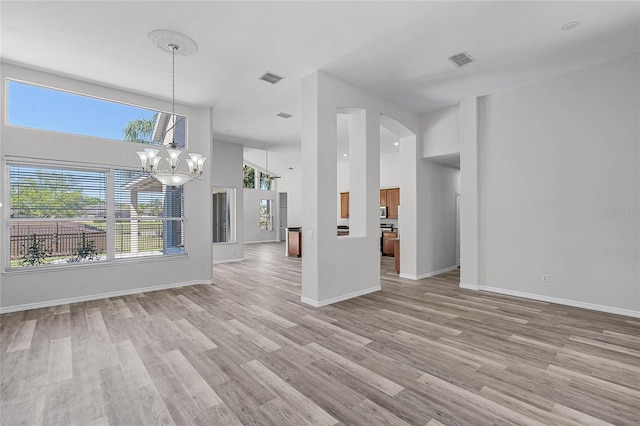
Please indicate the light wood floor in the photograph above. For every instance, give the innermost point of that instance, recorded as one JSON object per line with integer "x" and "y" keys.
{"x": 246, "y": 351}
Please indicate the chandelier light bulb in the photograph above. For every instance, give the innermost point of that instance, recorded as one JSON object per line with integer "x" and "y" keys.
{"x": 143, "y": 158}
{"x": 154, "y": 161}
{"x": 174, "y": 155}
{"x": 201, "y": 161}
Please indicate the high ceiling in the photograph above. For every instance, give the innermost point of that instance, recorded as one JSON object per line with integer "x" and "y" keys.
{"x": 397, "y": 50}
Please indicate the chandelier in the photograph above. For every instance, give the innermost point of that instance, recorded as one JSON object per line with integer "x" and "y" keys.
{"x": 174, "y": 43}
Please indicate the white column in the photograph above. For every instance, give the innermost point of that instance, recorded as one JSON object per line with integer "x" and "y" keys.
{"x": 333, "y": 268}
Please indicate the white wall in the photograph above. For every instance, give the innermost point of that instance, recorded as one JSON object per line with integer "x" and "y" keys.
{"x": 437, "y": 216}
{"x": 291, "y": 183}
{"x": 252, "y": 232}
{"x": 436, "y": 201}
{"x": 555, "y": 159}
{"x": 441, "y": 132}
{"x": 27, "y": 289}
{"x": 390, "y": 170}
{"x": 226, "y": 171}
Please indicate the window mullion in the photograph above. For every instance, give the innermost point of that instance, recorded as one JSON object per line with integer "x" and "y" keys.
{"x": 111, "y": 216}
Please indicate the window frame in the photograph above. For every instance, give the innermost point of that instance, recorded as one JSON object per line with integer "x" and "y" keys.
{"x": 110, "y": 219}
{"x": 264, "y": 181}
{"x": 141, "y": 219}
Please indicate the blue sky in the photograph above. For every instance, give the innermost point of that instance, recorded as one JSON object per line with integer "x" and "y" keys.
{"x": 48, "y": 109}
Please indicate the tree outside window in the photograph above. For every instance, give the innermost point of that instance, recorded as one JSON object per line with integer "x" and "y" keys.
{"x": 249, "y": 177}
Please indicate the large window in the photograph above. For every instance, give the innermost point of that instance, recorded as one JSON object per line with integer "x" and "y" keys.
{"x": 38, "y": 107}
{"x": 58, "y": 215}
{"x": 266, "y": 215}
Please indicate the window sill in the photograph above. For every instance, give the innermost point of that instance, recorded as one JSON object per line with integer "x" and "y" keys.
{"x": 93, "y": 264}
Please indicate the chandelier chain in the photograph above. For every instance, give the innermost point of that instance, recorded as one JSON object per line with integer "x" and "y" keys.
{"x": 173, "y": 81}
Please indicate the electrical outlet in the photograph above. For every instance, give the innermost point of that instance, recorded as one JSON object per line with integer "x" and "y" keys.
{"x": 545, "y": 278}
{"x": 233, "y": 252}
{"x": 204, "y": 265}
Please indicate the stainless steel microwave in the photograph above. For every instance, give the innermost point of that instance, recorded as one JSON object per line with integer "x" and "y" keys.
{"x": 383, "y": 212}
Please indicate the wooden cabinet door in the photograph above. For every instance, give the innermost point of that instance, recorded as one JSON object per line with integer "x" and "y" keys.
{"x": 344, "y": 205}
{"x": 396, "y": 254}
{"x": 387, "y": 244}
{"x": 295, "y": 244}
{"x": 393, "y": 201}
{"x": 383, "y": 197}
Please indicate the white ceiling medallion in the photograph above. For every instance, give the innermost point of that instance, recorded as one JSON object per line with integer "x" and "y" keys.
{"x": 165, "y": 40}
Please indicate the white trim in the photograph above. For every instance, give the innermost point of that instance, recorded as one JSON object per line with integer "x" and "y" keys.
{"x": 263, "y": 241}
{"x": 428, "y": 274}
{"x": 469, "y": 286}
{"x": 550, "y": 299}
{"x": 337, "y": 299}
{"x": 49, "y": 303}
{"x": 237, "y": 259}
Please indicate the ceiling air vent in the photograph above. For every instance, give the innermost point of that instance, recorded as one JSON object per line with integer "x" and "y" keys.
{"x": 271, "y": 78}
{"x": 284, "y": 115}
{"x": 461, "y": 59}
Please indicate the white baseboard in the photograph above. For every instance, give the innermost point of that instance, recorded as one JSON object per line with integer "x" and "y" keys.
{"x": 337, "y": 299}
{"x": 550, "y": 299}
{"x": 428, "y": 274}
{"x": 469, "y": 286}
{"x": 237, "y": 259}
{"x": 49, "y": 303}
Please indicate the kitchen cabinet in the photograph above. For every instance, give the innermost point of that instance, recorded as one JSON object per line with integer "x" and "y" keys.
{"x": 294, "y": 239}
{"x": 387, "y": 243}
{"x": 393, "y": 201}
{"x": 344, "y": 205}
{"x": 388, "y": 197}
